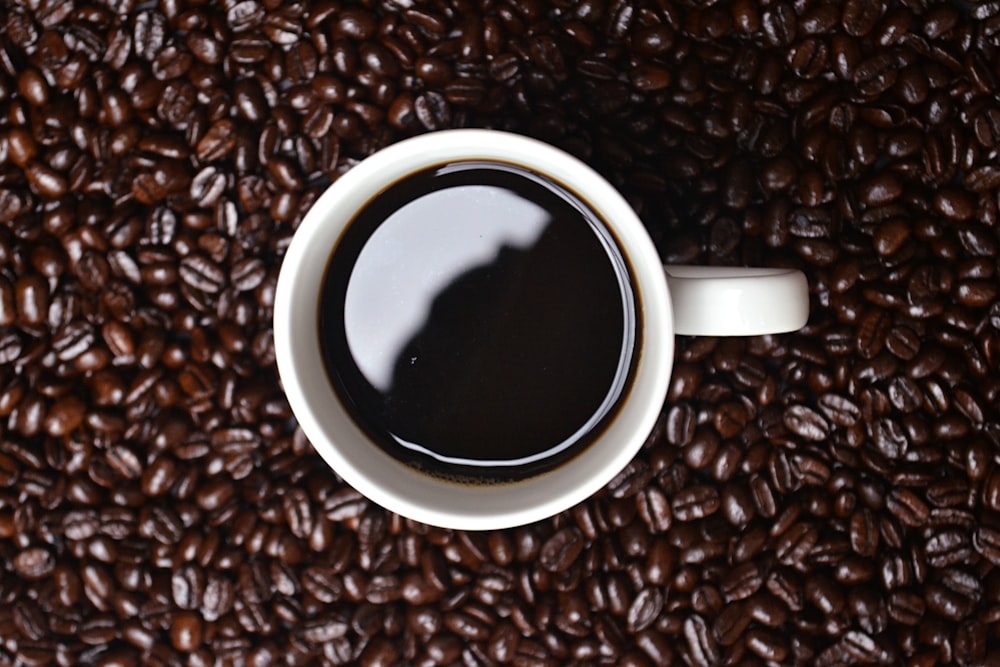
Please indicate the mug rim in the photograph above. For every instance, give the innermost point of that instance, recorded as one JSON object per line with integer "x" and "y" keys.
{"x": 341, "y": 442}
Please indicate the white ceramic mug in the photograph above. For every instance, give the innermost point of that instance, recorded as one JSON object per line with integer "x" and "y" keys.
{"x": 672, "y": 300}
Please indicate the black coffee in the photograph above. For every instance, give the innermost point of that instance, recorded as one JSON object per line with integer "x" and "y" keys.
{"x": 479, "y": 321}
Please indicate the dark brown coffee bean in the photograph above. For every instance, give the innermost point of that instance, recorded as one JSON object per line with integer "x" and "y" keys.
{"x": 730, "y": 625}
{"x": 730, "y": 419}
{"x": 881, "y": 189}
{"x": 769, "y": 645}
{"x": 644, "y": 609}
{"x": 560, "y": 550}
{"x": 872, "y": 331}
{"x": 876, "y": 75}
{"x": 503, "y": 642}
{"x": 796, "y": 543}
{"x": 8, "y": 310}
{"x": 938, "y": 21}
{"x": 186, "y": 631}
{"x": 986, "y": 541}
{"x": 21, "y": 146}
{"x": 654, "y": 509}
{"x": 948, "y": 547}
{"x": 906, "y": 607}
{"x": 859, "y": 18}
{"x": 218, "y": 141}
{"x": 971, "y": 643}
{"x": 779, "y": 24}
{"x": 694, "y": 503}
{"x": 466, "y": 626}
{"x": 33, "y": 87}
{"x": 649, "y": 78}
{"x": 34, "y": 563}
{"x": 434, "y": 71}
{"x": 819, "y": 20}
{"x": 247, "y": 274}
{"x": 187, "y": 587}
{"x": 98, "y": 585}
{"x": 630, "y": 481}
{"x": 947, "y": 603}
{"x": 64, "y": 416}
{"x": 323, "y": 583}
{"x": 986, "y": 129}
{"x": 32, "y": 297}
{"x": 977, "y": 240}
{"x": 767, "y": 609}
{"x": 124, "y": 462}
{"x": 903, "y": 342}
{"x": 907, "y": 507}
{"x": 701, "y": 645}
{"x": 741, "y": 582}
{"x": 955, "y": 204}
{"x": 862, "y": 648}
{"x": 891, "y": 236}
{"x": 806, "y": 422}
{"x": 864, "y": 534}
{"x": 840, "y": 410}
{"x": 45, "y": 180}
{"x": 443, "y": 649}
{"x": 432, "y": 111}
{"x": 201, "y": 274}
{"x": 208, "y": 186}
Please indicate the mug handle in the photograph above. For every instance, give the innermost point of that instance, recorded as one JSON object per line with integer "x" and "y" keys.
{"x": 737, "y": 301}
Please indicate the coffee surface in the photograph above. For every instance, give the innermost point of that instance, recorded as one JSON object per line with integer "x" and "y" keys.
{"x": 478, "y": 319}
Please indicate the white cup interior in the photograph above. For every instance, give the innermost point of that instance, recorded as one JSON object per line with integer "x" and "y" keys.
{"x": 345, "y": 447}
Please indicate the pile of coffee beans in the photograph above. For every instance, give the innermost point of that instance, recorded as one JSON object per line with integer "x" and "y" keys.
{"x": 827, "y": 497}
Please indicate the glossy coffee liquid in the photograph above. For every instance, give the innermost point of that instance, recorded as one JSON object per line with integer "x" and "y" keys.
{"x": 479, "y": 321}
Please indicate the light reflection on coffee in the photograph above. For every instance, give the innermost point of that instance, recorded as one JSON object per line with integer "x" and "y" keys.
{"x": 479, "y": 321}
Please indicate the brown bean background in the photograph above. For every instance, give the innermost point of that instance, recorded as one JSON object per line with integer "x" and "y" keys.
{"x": 822, "y": 498}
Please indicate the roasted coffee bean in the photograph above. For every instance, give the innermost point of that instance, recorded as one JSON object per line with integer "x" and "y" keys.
{"x": 741, "y": 582}
{"x": 434, "y": 71}
{"x": 971, "y": 643}
{"x": 737, "y": 505}
{"x": 432, "y": 110}
{"x": 731, "y": 624}
{"x": 187, "y": 587}
{"x": 779, "y": 24}
{"x": 806, "y": 422}
{"x": 947, "y": 603}
{"x": 881, "y": 189}
{"x": 560, "y": 550}
{"x": 955, "y": 204}
{"x": 948, "y": 547}
{"x": 32, "y": 299}
{"x": 864, "y": 533}
{"x": 186, "y": 631}
{"x": 695, "y": 503}
{"x": 903, "y": 342}
{"x": 769, "y": 645}
{"x": 654, "y": 509}
{"x": 201, "y": 274}
{"x": 630, "y": 481}
{"x": 859, "y": 17}
{"x": 34, "y": 563}
{"x": 906, "y": 607}
{"x": 839, "y": 409}
{"x": 644, "y": 609}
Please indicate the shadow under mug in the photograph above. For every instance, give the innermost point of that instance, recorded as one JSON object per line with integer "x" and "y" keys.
{"x": 672, "y": 300}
